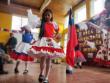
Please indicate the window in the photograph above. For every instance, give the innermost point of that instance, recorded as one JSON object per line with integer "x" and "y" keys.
{"x": 66, "y": 22}
{"x": 96, "y": 6}
{"x": 80, "y": 14}
{"x": 18, "y": 22}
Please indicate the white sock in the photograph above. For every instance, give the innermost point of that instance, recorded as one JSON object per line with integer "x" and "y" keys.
{"x": 46, "y": 78}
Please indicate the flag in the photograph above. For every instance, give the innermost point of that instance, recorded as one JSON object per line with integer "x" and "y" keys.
{"x": 72, "y": 41}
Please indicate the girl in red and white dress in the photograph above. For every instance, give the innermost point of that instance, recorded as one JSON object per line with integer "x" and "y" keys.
{"x": 79, "y": 57}
{"x": 46, "y": 48}
{"x": 20, "y": 52}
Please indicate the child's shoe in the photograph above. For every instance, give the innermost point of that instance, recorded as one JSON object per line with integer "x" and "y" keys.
{"x": 75, "y": 66}
{"x": 41, "y": 78}
{"x": 25, "y": 72}
{"x": 45, "y": 81}
{"x": 16, "y": 71}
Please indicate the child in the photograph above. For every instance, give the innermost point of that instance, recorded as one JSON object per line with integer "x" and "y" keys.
{"x": 2, "y": 55}
{"x": 46, "y": 47}
{"x": 20, "y": 52}
{"x": 79, "y": 58}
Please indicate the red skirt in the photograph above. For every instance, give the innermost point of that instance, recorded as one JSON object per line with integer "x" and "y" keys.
{"x": 79, "y": 57}
{"x": 20, "y": 56}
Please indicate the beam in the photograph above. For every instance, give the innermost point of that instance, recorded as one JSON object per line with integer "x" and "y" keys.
{"x": 22, "y": 10}
{"x": 80, "y": 2}
{"x": 25, "y": 5}
{"x": 88, "y": 9}
{"x": 16, "y": 9}
{"x": 44, "y": 5}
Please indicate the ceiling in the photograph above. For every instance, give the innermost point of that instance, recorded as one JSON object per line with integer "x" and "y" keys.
{"x": 59, "y": 7}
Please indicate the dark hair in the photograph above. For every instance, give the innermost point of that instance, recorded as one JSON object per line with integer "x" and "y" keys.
{"x": 77, "y": 26}
{"x": 43, "y": 15}
{"x": 43, "y": 20}
{"x": 77, "y": 47}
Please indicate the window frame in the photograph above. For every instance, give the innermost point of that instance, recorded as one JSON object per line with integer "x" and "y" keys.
{"x": 35, "y": 30}
{"x": 93, "y": 9}
{"x": 78, "y": 8}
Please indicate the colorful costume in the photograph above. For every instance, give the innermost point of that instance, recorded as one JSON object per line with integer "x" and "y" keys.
{"x": 103, "y": 55}
{"x": 79, "y": 57}
{"x": 46, "y": 46}
{"x": 20, "y": 51}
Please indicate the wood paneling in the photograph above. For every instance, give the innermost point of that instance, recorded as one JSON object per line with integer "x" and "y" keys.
{"x": 30, "y": 3}
{"x": 16, "y": 9}
{"x": 59, "y": 7}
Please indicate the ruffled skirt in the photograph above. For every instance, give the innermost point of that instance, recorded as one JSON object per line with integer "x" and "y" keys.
{"x": 20, "y": 52}
{"x": 47, "y": 47}
{"x": 79, "y": 57}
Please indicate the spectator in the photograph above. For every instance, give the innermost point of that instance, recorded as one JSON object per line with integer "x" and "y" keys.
{"x": 12, "y": 42}
{"x": 2, "y": 54}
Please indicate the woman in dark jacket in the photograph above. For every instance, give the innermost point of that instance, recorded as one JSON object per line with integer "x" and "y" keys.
{"x": 12, "y": 42}
{"x": 2, "y": 54}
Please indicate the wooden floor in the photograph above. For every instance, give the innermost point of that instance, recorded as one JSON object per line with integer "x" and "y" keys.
{"x": 57, "y": 75}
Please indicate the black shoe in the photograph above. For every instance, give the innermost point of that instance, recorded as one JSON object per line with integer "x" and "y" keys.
{"x": 3, "y": 72}
{"x": 45, "y": 81}
{"x": 25, "y": 72}
{"x": 41, "y": 78}
{"x": 16, "y": 71}
{"x": 69, "y": 71}
{"x": 80, "y": 67}
{"x": 75, "y": 67}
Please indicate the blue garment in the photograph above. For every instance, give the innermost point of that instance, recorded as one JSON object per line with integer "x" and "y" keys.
{"x": 27, "y": 37}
